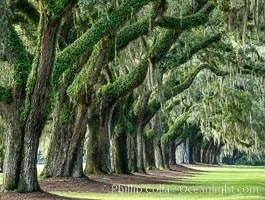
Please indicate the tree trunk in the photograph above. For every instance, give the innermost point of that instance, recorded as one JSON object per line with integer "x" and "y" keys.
{"x": 12, "y": 156}
{"x": 139, "y": 149}
{"x": 197, "y": 150}
{"x": 38, "y": 100}
{"x": 208, "y": 152}
{"x": 65, "y": 156}
{"x": 99, "y": 143}
{"x": 92, "y": 145}
{"x": 204, "y": 152}
{"x": 172, "y": 153}
{"x": 120, "y": 161}
{"x": 159, "y": 160}
{"x": 149, "y": 154}
{"x": 165, "y": 155}
{"x": 158, "y": 152}
{"x": 131, "y": 154}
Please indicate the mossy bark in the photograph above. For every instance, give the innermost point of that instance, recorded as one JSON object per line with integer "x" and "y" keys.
{"x": 99, "y": 142}
{"x": 12, "y": 155}
{"x": 165, "y": 155}
{"x": 172, "y": 153}
{"x": 65, "y": 157}
{"x": 149, "y": 154}
{"x": 119, "y": 148}
{"x": 38, "y": 99}
{"x": 131, "y": 153}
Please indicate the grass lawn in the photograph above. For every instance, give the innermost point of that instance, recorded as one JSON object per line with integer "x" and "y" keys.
{"x": 218, "y": 183}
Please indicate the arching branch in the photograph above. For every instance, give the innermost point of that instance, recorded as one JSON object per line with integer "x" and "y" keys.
{"x": 176, "y": 126}
{"x": 101, "y": 28}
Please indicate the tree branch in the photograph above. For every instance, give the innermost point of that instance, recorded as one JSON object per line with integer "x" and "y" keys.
{"x": 187, "y": 55}
{"x": 186, "y": 22}
{"x": 176, "y": 126}
{"x": 110, "y": 93}
{"x": 130, "y": 33}
{"x": 101, "y": 28}
{"x": 142, "y": 27}
{"x": 155, "y": 104}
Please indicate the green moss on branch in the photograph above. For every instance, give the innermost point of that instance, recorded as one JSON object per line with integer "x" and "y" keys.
{"x": 20, "y": 59}
{"x": 86, "y": 42}
{"x": 84, "y": 79}
{"x": 31, "y": 81}
{"x": 178, "y": 59}
{"x": 142, "y": 27}
{"x": 176, "y": 126}
{"x": 187, "y": 22}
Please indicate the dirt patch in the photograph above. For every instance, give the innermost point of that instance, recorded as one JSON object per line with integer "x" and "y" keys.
{"x": 102, "y": 183}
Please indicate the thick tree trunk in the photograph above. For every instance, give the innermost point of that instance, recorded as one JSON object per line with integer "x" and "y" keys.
{"x": 197, "y": 150}
{"x": 139, "y": 149}
{"x": 99, "y": 143}
{"x": 12, "y": 156}
{"x": 159, "y": 159}
{"x": 65, "y": 156}
{"x": 165, "y": 155}
{"x": 149, "y": 154}
{"x": 204, "y": 152}
{"x": 38, "y": 100}
{"x": 120, "y": 161}
{"x": 208, "y": 152}
{"x": 92, "y": 145}
{"x": 158, "y": 153}
{"x": 131, "y": 154}
{"x": 172, "y": 153}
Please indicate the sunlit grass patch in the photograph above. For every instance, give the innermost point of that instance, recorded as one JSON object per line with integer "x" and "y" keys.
{"x": 223, "y": 182}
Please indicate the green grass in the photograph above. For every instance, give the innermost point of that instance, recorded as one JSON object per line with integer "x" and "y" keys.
{"x": 218, "y": 183}
{"x": 219, "y": 180}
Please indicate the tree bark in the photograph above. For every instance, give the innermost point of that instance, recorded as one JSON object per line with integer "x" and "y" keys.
{"x": 38, "y": 101}
{"x": 139, "y": 149}
{"x": 99, "y": 144}
{"x": 172, "y": 153}
{"x": 131, "y": 154}
{"x": 208, "y": 152}
{"x": 165, "y": 155}
{"x": 158, "y": 153}
{"x": 196, "y": 151}
{"x": 65, "y": 158}
{"x": 149, "y": 154}
{"x": 12, "y": 155}
{"x": 120, "y": 161}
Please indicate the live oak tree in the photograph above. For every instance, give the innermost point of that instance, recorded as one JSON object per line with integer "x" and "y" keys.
{"x": 74, "y": 78}
{"x": 25, "y": 98}
{"x": 100, "y": 105}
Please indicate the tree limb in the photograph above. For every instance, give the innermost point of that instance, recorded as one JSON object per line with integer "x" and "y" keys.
{"x": 101, "y": 28}
{"x": 176, "y": 126}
